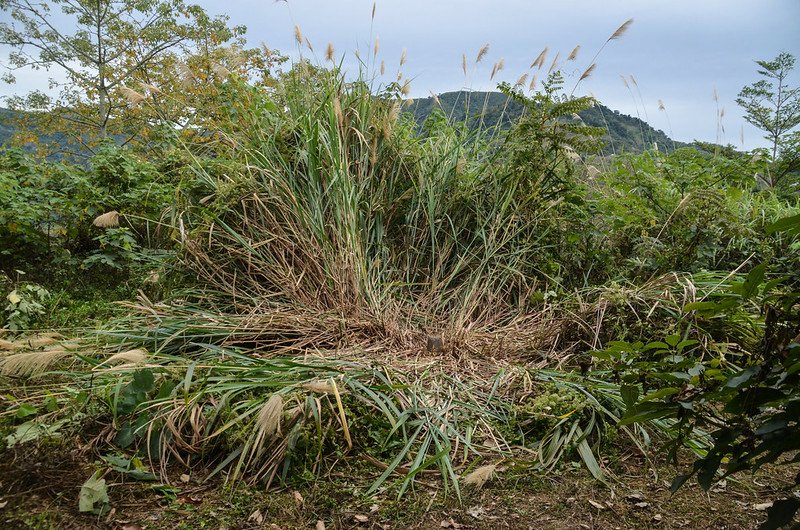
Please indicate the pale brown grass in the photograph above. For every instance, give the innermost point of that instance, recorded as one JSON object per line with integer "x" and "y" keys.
{"x": 482, "y": 53}
{"x": 540, "y": 59}
{"x": 621, "y": 30}
{"x": 588, "y": 72}
{"x": 107, "y": 220}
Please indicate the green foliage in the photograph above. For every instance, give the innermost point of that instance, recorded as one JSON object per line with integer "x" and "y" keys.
{"x": 750, "y": 405}
{"x": 93, "y": 496}
{"x": 47, "y": 210}
{"x": 26, "y": 304}
{"x": 118, "y": 250}
{"x": 682, "y": 211}
{"x": 773, "y": 106}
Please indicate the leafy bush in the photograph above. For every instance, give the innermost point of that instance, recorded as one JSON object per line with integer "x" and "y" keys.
{"x": 26, "y": 304}
{"x": 748, "y": 402}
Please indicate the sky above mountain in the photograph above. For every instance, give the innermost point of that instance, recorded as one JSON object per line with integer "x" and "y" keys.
{"x": 678, "y": 51}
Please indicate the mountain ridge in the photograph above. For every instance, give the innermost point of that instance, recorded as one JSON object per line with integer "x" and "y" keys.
{"x": 625, "y": 133}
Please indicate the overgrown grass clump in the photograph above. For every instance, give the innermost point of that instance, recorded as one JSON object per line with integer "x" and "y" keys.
{"x": 357, "y": 284}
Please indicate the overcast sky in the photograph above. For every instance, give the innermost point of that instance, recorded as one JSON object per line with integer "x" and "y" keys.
{"x": 679, "y": 51}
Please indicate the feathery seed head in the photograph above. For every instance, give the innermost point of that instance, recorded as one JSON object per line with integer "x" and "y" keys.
{"x": 403, "y": 57}
{"x": 588, "y": 71}
{"x": 107, "y": 220}
{"x": 574, "y": 53}
{"x": 220, "y": 70}
{"x": 539, "y": 61}
{"x": 498, "y": 66}
{"x": 482, "y": 53}
{"x": 464, "y": 63}
{"x": 329, "y": 52}
{"x": 554, "y": 64}
{"x": 269, "y": 417}
{"x": 298, "y": 35}
{"x": 30, "y": 363}
{"x": 480, "y": 476}
{"x": 521, "y": 81}
{"x": 134, "y": 98}
{"x": 151, "y": 88}
{"x": 621, "y": 30}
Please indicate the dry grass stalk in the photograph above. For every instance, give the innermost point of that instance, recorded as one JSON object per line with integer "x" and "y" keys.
{"x": 220, "y": 70}
{"x": 318, "y": 387}
{"x": 588, "y": 72}
{"x": 185, "y": 73}
{"x": 539, "y": 61}
{"x": 633, "y": 80}
{"x": 625, "y": 81}
{"x": 133, "y": 97}
{"x": 464, "y": 63}
{"x": 574, "y": 53}
{"x": 8, "y": 345}
{"x": 406, "y": 89}
{"x": 308, "y": 44}
{"x": 268, "y": 421}
{"x": 107, "y": 220}
{"x": 31, "y": 363}
{"x": 554, "y": 63}
{"x": 130, "y": 357}
{"x": 383, "y": 67}
{"x": 40, "y": 342}
{"x": 298, "y": 35}
{"x": 482, "y": 53}
{"x": 403, "y": 57}
{"x": 337, "y": 109}
{"x": 329, "y": 52}
{"x": 521, "y": 81}
{"x": 480, "y": 476}
{"x": 661, "y": 105}
{"x": 621, "y": 30}
{"x": 151, "y": 88}
{"x": 532, "y": 85}
{"x": 498, "y": 66}
{"x": 377, "y": 47}
{"x": 374, "y": 7}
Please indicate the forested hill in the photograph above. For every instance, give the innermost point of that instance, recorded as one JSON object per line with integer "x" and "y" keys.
{"x": 625, "y": 133}
{"x": 7, "y": 127}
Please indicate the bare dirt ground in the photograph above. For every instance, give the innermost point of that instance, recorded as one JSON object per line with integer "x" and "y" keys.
{"x": 39, "y": 488}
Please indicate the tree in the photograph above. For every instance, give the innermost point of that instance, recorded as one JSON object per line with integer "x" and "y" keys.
{"x": 104, "y": 48}
{"x": 772, "y": 105}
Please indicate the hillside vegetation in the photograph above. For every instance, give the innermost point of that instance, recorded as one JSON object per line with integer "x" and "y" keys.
{"x": 624, "y": 134}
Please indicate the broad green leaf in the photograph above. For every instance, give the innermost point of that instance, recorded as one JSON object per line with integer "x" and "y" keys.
{"x": 94, "y": 495}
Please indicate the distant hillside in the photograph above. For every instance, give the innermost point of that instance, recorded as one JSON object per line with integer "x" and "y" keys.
{"x": 626, "y": 133}
{"x": 10, "y": 122}
{"x": 7, "y": 127}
